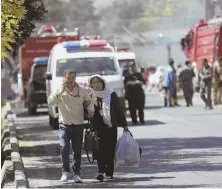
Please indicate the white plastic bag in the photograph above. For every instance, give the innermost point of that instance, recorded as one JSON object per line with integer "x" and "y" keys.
{"x": 127, "y": 151}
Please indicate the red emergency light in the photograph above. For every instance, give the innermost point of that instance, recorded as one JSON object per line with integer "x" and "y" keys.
{"x": 48, "y": 30}
{"x": 96, "y": 37}
{"x": 97, "y": 43}
{"x": 59, "y": 40}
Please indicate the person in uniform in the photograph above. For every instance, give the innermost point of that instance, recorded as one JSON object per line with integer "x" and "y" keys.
{"x": 206, "y": 84}
{"x": 135, "y": 94}
{"x": 186, "y": 79}
{"x": 217, "y": 82}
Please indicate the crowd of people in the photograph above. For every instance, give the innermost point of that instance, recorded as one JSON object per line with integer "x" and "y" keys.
{"x": 106, "y": 112}
{"x": 209, "y": 79}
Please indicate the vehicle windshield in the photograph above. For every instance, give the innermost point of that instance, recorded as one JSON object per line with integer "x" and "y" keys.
{"x": 39, "y": 71}
{"x": 87, "y": 66}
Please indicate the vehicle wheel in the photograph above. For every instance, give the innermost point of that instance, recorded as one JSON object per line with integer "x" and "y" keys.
{"x": 31, "y": 108}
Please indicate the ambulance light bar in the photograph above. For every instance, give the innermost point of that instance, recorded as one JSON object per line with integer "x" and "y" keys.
{"x": 41, "y": 60}
{"x": 84, "y": 44}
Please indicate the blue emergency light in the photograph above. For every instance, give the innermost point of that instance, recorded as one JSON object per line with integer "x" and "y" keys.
{"x": 84, "y": 44}
{"x": 41, "y": 60}
{"x": 72, "y": 45}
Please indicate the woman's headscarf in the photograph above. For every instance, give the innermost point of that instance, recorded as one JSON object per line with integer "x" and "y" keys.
{"x": 105, "y": 95}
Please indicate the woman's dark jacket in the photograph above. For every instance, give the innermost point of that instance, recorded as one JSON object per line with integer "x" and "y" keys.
{"x": 117, "y": 114}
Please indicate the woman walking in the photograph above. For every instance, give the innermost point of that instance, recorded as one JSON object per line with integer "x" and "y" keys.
{"x": 107, "y": 116}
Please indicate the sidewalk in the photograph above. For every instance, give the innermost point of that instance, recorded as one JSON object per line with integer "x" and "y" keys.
{"x": 40, "y": 154}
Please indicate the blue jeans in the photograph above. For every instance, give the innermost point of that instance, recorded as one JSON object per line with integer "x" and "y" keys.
{"x": 169, "y": 96}
{"x": 75, "y": 134}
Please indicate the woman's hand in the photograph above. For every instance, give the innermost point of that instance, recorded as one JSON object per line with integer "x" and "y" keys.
{"x": 125, "y": 129}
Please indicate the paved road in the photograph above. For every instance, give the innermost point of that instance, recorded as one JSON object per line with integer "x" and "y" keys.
{"x": 182, "y": 148}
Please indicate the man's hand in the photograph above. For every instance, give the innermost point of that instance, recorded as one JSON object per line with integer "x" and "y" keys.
{"x": 125, "y": 129}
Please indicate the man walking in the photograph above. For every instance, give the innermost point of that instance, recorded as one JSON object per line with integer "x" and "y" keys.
{"x": 135, "y": 94}
{"x": 217, "y": 82}
{"x": 169, "y": 83}
{"x": 71, "y": 99}
{"x": 186, "y": 79}
{"x": 206, "y": 84}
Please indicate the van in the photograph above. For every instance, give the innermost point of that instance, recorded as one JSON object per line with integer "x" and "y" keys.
{"x": 126, "y": 59}
{"x": 86, "y": 58}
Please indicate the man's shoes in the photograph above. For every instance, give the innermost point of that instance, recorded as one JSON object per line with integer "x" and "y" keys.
{"x": 188, "y": 104}
{"x": 100, "y": 177}
{"x": 77, "y": 179}
{"x": 64, "y": 177}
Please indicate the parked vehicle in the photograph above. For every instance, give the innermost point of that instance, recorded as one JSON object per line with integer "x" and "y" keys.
{"x": 36, "y": 87}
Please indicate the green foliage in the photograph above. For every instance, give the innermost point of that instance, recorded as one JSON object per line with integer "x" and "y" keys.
{"x": 12, "y": 13}
{"x": 35, "y": 11}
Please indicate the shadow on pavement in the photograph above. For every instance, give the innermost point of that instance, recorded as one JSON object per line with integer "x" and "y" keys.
{"x": 25, "y": 114}
{"x": 153, "y": 107}
{"x": 147, "y": 123}
{"x": 159, "y": 156}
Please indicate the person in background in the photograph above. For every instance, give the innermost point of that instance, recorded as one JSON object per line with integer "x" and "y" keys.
{"x": 135, "y": 94}
{"x": 174, "y": 95}
{"x": 206, "y": 84}
{"x": 145, "y": 75}
{"x": 217, "y": 82}
{"x": 71, "y": 99}
{"x": 169, "y": 83}
{"x": 186, "y": 79}
{"x": 107, "y": 116}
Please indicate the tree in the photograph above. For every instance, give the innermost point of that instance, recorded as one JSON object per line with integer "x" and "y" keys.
{"x": 35, "y": 11}
{"x": 12, "y": 13}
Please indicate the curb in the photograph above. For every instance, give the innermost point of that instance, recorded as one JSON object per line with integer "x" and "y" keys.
{"x": 18, "y": 166}
{"x": 20, "y": 179}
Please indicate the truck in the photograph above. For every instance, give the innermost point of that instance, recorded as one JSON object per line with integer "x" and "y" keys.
{"x": 204, "y": 40}
{"x": 37, "y": 46}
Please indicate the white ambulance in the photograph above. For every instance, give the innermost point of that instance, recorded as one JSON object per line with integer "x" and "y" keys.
{"x": 126, "y": 59}
{"x": 86, "y": 57}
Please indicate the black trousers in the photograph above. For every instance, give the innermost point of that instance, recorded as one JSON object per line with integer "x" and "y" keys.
{"x": 137, "y": 104}
{"x": 107, "y": 138}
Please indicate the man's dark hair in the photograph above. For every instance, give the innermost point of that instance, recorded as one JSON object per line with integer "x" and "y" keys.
{"x": 187, "y": 62}
{"x": 171, "y": 61}
{"x": 205, "y": 60}
{"x": 69, "y": 71}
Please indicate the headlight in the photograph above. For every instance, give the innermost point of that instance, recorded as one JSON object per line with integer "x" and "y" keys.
{"x": 120, "y": 92}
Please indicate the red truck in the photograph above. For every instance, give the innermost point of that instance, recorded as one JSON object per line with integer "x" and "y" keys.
{"x": 34, "y": 47}
{"x": 204, "y": 40}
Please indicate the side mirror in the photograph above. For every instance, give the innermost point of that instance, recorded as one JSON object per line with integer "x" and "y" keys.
{"x": 48, "y": 76}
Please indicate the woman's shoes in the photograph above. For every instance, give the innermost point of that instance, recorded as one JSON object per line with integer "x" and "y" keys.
{"x": 100, "y": 177}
